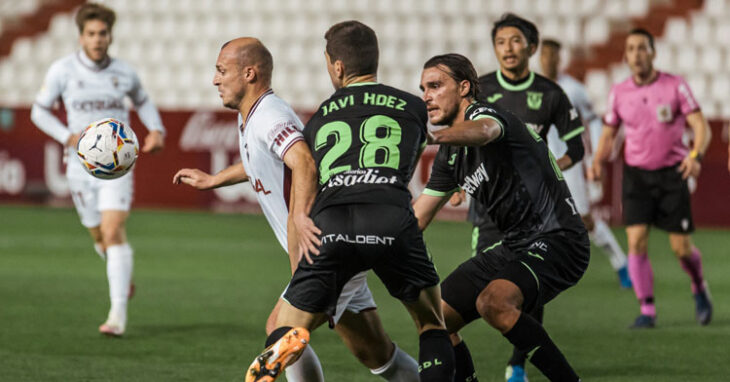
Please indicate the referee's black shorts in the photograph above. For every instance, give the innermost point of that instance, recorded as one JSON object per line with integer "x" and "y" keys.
{"x": 657, "y": 197}
{"x": 543, "y": 269}
{"x": 355, "y": 238}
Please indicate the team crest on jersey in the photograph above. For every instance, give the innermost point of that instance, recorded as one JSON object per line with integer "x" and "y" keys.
{"x": 534, "y": 100}
{"x": 115, "y": 82}
{"x": 664, "y": 113}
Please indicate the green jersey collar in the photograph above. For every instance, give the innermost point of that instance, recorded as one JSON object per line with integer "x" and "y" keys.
{"x": 361, "y": 84}
{"x": 515, "y": 88}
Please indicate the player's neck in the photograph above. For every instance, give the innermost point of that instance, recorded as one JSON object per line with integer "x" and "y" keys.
{"x": 359, "y": 79}
{"x": 86, "y": 60}
{"x": 517, "y": 75}
{"x": 463, "y": 105}
{"x": 250, "y": 99}
{"x": 641, "y": 79}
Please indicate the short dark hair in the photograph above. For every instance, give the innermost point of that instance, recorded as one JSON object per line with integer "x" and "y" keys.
{"x": 356, "y": 45}
{"x": 459, "y": 68}
{"x": 526, "y": 27}
{"x": 93, "y": 11}
{"x": 552, "y": 43}
{"x": 645, "y": 33}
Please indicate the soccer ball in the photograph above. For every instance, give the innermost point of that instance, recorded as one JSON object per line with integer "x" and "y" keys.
{"x": 107, "y": 148}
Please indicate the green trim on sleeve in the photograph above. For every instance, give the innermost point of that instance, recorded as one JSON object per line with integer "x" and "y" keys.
{"x": 430, "y": 192}
{"x": 573, "y": 133}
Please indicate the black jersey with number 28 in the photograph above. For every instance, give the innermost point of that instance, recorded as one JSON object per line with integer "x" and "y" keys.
{"x": 366, "y": 140}
{"x": 515, "y": 177}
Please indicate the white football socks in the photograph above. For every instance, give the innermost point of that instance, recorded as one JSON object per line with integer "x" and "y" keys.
{"x": 603, "y": 238}
{"x": 100, "y": 251}
{"x": 306, "y": 369}
{"x": 400, "y": 368}
{"x": 119, "y": 266}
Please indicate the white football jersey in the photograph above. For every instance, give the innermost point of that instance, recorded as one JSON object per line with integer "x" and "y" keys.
{"x": 271, "y": 128}
{"x": 91, "y": 92}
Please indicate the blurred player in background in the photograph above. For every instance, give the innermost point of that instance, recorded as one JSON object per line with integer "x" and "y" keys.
{"x": 279, "y": 165}
{"x": 491, "y": 154}
{"x": 655, "y": 108}
{"x": 538, "y": 102}
{"x": 599, "y": 231}
{"x": 366, "y": 140}
{"x": 93, "y": 86}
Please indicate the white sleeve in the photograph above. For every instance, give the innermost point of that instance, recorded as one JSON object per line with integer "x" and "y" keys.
{"x": 283, "y": 134}
{"x": 145, "y": 107}
{"x": 41, "y": 115}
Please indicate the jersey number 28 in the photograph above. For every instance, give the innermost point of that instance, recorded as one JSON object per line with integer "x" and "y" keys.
{"x": 386, "y": 145}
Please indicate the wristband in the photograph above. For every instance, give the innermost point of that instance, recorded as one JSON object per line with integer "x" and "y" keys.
{"x": 694, "y": 154}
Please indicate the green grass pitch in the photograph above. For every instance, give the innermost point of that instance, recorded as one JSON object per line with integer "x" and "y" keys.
{"x": 206, "y": 283}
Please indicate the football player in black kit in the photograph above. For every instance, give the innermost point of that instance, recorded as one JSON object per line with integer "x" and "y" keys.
{"x": 505, "y": 165}
{"x": 366, "y": 140}
{"x": 537, "y": 101}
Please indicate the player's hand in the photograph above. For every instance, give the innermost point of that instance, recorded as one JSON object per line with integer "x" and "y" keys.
{"x": 153, "y": 142}
{"x": 195, "y": 178}
{"x": 689, "y": 167}
{"x": 72, "y": 140}
{"x": 594, "y": 172}
{"x": 430, "y": 138}
{"x": 308, "y": 235}
{"x": 457, "y": 198}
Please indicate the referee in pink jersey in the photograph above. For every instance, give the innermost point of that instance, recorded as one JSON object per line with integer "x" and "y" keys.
{"x": 655, "y": 108}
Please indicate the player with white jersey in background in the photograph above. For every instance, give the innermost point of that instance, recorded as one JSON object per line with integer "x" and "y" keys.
{"x": 277, "y": 162}
{"x": 583, "y": 193}
{"x": 93, "y": 86}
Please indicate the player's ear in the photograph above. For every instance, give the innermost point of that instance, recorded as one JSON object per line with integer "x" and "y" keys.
{"x": 533, "y": 49}
{"x": 339, "y": 69}
{"x": 249, "y": 74}
{"x": 464, "y": 88}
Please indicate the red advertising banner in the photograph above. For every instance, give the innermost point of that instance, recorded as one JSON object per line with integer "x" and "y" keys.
{"x": 32, "y": 168}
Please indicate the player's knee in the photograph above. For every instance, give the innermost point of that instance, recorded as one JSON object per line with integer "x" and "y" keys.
{"x": 495, "y": 305}
{"x": 112, "y": 235}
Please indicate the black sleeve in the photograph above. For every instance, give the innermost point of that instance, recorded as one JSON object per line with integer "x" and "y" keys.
{"x": 570, "y": 127}
{"x": 442, "y": 181}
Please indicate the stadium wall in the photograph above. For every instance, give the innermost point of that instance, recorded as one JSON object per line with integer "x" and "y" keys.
{"x": 32, "y": 168}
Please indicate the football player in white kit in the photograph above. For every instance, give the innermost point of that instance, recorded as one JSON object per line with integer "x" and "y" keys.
{"x": 583, "y": 192}
{"x": 93, "y": 86}
{"x": 277, "y": 162}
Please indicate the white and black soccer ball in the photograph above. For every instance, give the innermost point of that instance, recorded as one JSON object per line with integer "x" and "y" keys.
{"x": 107, "y": 148}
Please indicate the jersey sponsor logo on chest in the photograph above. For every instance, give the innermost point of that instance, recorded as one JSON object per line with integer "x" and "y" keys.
{"x": 473, "y": 181}
{"x": 98, "y": 104}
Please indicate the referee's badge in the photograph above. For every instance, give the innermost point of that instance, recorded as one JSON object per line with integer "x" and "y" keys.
{"x": 534, "y": 100}
{"x": 664, "y": 113}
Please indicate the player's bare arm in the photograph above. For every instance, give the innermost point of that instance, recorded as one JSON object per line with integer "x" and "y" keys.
{"x": 73, "y": 139}
{"x": 153, "y": 142}
{"x": 468, "y": 133}
{"x": 426, "y": 207}
{"x": 304, "y": 181}
{"x": 605, "y": 143}
{"x": 690, "y": 165}
{"x": 201, "y": 180}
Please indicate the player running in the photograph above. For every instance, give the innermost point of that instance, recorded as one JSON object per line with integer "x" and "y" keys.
{"x": 275, "y": 157}
{"x": 598, "y": 230}
{"x": 93, "y": 86}
{"x": 655, "y": 108}
{"x": 366, "y": 140}
{"x": 503, "y": 164}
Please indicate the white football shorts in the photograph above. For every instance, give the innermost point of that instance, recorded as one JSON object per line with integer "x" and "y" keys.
{"x": 355, "y": 297}
{"x": 92, "y": 195}
{"x": 578, "y": 186}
